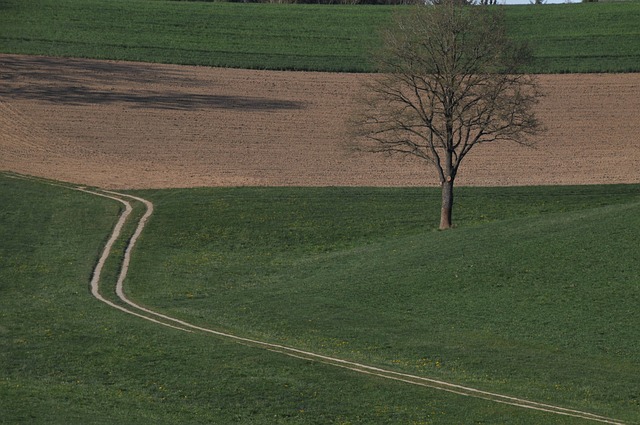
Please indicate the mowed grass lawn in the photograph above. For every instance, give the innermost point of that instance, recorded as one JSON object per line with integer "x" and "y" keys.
{"x": 594, "y": 37}
{"x": 534, "y": 294}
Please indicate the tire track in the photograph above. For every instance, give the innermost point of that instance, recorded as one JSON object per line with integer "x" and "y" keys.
{"x": 97, "y": 271}
{"x": 290, "y": 351}
{"x": 174, "y": 323}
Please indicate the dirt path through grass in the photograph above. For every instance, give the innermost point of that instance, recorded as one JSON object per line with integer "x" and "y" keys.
{"x": 165, "y": 320}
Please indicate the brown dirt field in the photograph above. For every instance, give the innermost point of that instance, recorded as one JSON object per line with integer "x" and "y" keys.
{"x": 133, "y": 125}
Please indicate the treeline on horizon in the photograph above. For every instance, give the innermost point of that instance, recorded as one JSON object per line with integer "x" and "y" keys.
{"x": 336, "y": 2}
{"x": 380, "y": 2}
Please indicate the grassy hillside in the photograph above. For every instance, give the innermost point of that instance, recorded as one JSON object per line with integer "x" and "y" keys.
{"x": 539, "y": 299}
{"x": 591, "y": 37}
{"x": 219, "y": 34}
{"x": 566, "y": 38}
{"x": 533, "y": 299}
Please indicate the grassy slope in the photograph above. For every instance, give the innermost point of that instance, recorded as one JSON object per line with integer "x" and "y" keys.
{"x": 238, "y": 261}
{"x": 535, "y": 294}
{"x": 591, "y": 37}
{"x": 220, "y": 34}
{"x": 566, "y": 38}
{"x": 66, "y": 358}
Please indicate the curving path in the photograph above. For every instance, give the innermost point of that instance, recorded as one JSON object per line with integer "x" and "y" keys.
{"x": 164, "y": 320}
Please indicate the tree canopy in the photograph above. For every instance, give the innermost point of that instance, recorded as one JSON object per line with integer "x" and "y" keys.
{"x": 449, "y": 83}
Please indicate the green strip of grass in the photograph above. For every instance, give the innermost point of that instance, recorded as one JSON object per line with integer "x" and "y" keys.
{"x": 219, "y": 34}
{"x": 565, "y": 38}
{"x": 591, "y": 37}
{"x": 67, "y": 358}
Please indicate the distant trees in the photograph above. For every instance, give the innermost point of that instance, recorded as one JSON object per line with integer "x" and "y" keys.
{"x": 460, "y": 2}
{"x": 370, "y": 2}
{"x": 450, "y": 83}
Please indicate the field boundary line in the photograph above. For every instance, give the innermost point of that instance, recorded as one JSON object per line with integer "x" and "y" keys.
{"x": 277, "y": 348}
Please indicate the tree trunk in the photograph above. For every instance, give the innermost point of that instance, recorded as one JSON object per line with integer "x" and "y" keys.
{"x": 447, "y": 204}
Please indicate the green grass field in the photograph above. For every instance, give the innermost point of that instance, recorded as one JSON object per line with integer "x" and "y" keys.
{"x": 534, "y": 295}
{"x": 602, "y": 37}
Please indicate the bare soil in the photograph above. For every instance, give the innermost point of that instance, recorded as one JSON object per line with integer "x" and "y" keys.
{"x": 134, "y": 125}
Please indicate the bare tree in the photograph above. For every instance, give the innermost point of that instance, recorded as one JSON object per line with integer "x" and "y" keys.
{"x": 450, "y": 82}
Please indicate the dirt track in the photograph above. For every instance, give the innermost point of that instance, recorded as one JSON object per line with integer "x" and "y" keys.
{"x": 132, "y": 125}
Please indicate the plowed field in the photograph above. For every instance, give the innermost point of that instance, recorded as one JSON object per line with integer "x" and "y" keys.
{"x": 134, "y": 125}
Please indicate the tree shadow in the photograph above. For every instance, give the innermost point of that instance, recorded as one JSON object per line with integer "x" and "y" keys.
{"x": 64, "y": 81}
{"x": 77, "y": 96}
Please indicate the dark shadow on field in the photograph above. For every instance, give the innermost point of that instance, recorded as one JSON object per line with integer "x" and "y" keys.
{"x": 71, "y": 95}
{"x": 65, "y": 81}
{"x": 70, "y": 70}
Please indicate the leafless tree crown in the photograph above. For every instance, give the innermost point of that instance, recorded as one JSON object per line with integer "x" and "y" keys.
{"x": 450, "y": 82}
